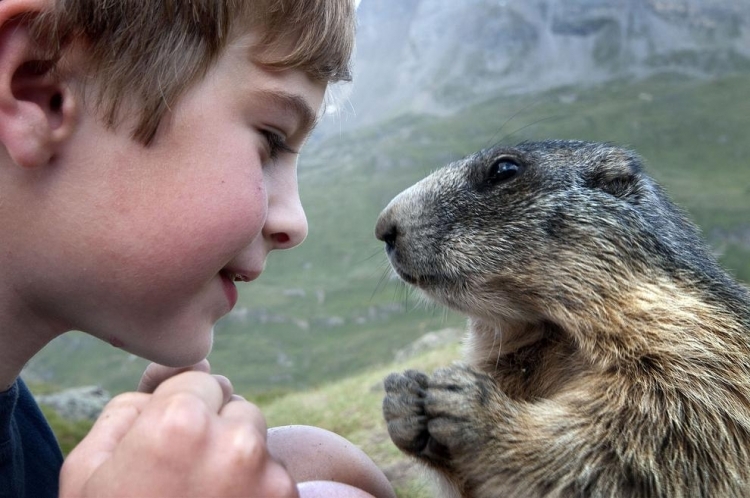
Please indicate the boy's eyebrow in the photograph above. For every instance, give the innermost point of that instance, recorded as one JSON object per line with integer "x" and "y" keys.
{"x": 293, "y": 104}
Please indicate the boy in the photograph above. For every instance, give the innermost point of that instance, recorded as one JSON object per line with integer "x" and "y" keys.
{"x": 148, "y": 164}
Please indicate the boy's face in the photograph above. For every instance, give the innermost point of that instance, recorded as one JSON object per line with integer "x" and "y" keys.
{"x": 140, "y": 245}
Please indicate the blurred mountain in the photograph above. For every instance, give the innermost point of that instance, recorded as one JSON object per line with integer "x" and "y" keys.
{"x": 437, "y": 56}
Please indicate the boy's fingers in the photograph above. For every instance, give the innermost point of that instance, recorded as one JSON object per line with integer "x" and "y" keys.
{"x": 116, "y": 419}
{"x": 244, "y": 412}
{"x": 113, "y": 424}
{"x": 155, "y": 374}
{"x": 205, "y": 387}
{"x": 226, "y": 387}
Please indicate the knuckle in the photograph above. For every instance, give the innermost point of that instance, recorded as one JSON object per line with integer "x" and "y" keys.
{"x": 245, "y": 447}
{"x": 185, "y": 420}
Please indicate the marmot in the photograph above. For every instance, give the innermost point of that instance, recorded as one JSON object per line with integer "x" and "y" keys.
{"x": 608, "y": 353}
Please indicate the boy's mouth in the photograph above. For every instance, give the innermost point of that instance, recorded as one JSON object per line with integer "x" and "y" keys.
{"x": 229, "y": 277}
{"x": 237, "y": 276}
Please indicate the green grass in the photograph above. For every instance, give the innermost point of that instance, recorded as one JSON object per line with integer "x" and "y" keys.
{"x": 692, "y": 135}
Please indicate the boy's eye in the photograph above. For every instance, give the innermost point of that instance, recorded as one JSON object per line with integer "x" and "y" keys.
{"x": 276, "y": 144}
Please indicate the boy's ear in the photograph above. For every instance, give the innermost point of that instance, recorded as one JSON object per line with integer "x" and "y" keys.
{"x": 37, "y": 109}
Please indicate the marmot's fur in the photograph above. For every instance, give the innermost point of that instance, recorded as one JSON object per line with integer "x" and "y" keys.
{"x": 608, "y": 353}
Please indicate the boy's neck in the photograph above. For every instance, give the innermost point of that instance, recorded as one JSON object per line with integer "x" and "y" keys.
{"x": 13, "y": 356}
{"x": 20, "y": 340}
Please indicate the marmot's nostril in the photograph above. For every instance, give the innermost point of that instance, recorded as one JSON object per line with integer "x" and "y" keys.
{"x": 387, "y": 232}
{"x": 390, "y": 236}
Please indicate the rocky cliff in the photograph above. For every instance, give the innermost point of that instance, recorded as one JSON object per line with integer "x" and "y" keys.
{"x": 437, "y": 55}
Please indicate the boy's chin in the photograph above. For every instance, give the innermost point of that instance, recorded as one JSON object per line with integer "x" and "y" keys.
{"x": 179, "y": 354}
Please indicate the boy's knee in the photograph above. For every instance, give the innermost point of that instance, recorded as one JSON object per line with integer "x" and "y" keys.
{"x": 315, "y": 454}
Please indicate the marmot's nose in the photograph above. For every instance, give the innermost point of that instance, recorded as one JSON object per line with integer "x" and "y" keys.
{"x": 386, "y": 230}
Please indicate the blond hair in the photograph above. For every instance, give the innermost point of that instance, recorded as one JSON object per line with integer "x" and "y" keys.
{"x": 152, "y": 50}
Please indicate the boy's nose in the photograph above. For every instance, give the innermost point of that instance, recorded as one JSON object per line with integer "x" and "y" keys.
{"x": 286, "y": 225}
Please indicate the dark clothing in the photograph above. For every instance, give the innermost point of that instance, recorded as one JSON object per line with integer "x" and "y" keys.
{"x": 30, "y": 458}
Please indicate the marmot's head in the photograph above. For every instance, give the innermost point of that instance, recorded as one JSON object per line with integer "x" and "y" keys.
{"x": 511, "y": 232}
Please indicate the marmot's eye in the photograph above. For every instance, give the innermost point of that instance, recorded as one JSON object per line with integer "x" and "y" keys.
{"x": 502, "y": 170}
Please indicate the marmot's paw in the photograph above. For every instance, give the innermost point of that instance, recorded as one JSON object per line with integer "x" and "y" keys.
{"x": 439, "y": 416}
{"x": 456, "y": 405}
{"x": 403, "y": 409}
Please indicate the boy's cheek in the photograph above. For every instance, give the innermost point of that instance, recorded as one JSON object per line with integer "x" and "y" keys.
{"x": 173, "y": 249}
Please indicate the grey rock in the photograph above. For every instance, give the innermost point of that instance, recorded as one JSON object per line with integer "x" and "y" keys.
{"x": 80, "y": 403}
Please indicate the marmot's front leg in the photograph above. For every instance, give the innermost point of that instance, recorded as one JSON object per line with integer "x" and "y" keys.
{"x": 487, "y": 444}
{"x": 445, "y": 419}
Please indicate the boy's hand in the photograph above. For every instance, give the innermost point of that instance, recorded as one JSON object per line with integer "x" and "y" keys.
{"x": 155, "y": 374}
{"x": 182, "y": 440}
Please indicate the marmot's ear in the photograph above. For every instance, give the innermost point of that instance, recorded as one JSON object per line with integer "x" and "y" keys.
{"x": 614, "y": 171}
{"x": 36, "y": 109}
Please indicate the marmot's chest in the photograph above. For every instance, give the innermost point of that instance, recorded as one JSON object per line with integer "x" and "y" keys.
{"x": 537, "y": 371}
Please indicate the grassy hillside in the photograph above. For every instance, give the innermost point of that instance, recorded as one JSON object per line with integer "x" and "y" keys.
{"x": 329, "y": 310}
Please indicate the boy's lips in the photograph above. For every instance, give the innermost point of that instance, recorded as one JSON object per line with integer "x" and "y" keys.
{"x": 229, "y": 277}
{"x": 229, "y": 289}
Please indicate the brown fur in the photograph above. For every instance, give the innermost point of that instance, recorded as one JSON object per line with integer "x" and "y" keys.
{"x": 608, "y": 354}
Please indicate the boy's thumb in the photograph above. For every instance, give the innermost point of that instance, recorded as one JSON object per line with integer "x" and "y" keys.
{"x": 155, "y": 374}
